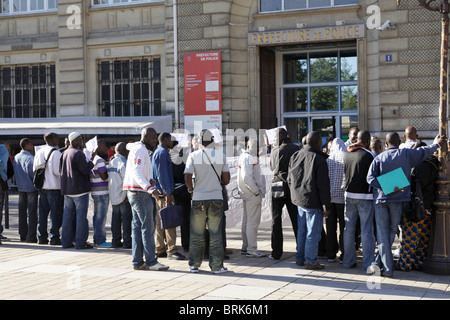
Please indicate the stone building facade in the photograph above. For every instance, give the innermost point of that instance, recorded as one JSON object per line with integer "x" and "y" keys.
{"x": 316, "y": 66}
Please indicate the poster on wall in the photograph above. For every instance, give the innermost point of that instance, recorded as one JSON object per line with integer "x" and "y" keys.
{"x": 202, "y": 91}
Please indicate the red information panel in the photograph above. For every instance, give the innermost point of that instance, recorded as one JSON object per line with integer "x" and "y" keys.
{"x": 202, "y": 83}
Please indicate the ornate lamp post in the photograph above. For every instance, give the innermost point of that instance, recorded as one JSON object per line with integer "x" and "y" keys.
{"x": 438, "y": 259}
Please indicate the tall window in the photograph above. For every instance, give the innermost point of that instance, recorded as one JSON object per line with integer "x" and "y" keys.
{"x": 27, "y": 6}
{"x": 130, "y": 87}
{"x": 28, "y": 92}
{"x": 320, "y": 92}
{"x": 285, "y": 5}
{"x": 118, "y": 2}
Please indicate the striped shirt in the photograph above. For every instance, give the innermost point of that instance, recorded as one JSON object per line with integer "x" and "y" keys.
{"x": 98, "y": 185}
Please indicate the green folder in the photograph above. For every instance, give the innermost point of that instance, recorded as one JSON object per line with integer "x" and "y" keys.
{"x": 392, "y": 179}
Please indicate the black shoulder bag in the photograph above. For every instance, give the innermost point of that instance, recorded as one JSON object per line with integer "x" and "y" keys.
{"x": 414, "y": 210}
{"x": 39, "y": 173}
{"x": 224, "y": 188}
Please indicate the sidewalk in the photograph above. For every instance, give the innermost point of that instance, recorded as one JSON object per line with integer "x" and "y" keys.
{"x": 44, "y": 272}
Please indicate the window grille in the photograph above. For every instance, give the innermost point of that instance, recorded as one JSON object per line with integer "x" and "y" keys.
{"x": 130, "y": 88}
{"x": 28, "y": 92}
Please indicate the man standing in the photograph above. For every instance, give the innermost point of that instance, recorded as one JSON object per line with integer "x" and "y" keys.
{"x": 352, "y": 136}
{"x": 388, "y": 207}
{"x": 310, "y": 191}
{"x": 75, "y": 186}
{"x": 411, "y": 138}
{"x": 28, "y": 195}
{"x": 279, "y": 163}
{"x": 100, "y": 194}
{"x": 210, "y": 169}
{"x": 50, "y": 199}
{"x": 139, "y": 189}
{"x": 252, "y": 188}
{"x": 121, "y": 209}
{"x": 358, "y": 202}
{"x": 164, "y": 186}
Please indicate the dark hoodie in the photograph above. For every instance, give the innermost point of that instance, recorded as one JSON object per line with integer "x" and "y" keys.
{"x": 308, "y": 179}
{"x": 356, "y": 165}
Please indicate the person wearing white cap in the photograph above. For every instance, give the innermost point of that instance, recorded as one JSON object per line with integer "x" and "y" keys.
{"x": 75, "y": 186}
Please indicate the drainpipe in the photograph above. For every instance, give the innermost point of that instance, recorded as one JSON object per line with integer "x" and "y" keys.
{"x": 175, "y": 60}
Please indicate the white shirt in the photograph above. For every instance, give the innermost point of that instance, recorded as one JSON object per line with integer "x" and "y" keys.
{"x": 207, "y": 185}
{"x": 52, "y": 178}
{"x": 138, "y": 168}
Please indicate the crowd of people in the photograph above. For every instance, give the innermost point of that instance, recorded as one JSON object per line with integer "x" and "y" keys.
{"x": 338, "y": 181}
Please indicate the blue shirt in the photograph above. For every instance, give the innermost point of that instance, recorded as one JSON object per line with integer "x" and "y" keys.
{"x": 23, "y": 171}
{"x": 392, "y": 159}
{"x": 4, "y": 155}
{"x": 162, "y": 170}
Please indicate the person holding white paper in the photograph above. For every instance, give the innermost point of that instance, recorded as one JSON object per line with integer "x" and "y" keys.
{"x": 388, "y": 208}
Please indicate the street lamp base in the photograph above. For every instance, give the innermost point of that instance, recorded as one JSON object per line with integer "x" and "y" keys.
{"x": 437, "y": 267}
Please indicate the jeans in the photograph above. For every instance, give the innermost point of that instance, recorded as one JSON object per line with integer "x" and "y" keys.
{"x": 75, "y": 207}
{"x": 50, "y": 201}
{"x": 363, "y": 209}
{"x": 28, "y": 204}
{"x": 206, "y": 212}
{"x": 142, "y": 228}
{"x": 121, "y": 221}
{"x": 99, "y": 219}
{"x": 309, "y": 234}
{"x": 387, "y": 219}
{"x": 277, "y": 227}
{"x": 333, "y": 244}
{"x": 184, "y": 199}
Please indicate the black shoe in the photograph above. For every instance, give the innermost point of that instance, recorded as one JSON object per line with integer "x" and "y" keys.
{"x": 86, "y": 246}
{"x": 162, "y": 255}
{"x": 176, "y": 256}
{"x": 43, "y": 241}
{"x": 69, "y": 246}
{"x": 33, "y": 240}
{"x": 55, "y": 242}
{"x": 117, "y": 245}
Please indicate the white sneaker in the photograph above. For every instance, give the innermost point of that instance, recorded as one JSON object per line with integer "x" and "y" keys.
{"x": 372, "y": 269}
{"x": 193, "y": 269}
{"x": 158, "y": 267}
{"x": 396, "y": 253}
{"x": 255, "y": 254}
{"x": 221, "y": 270}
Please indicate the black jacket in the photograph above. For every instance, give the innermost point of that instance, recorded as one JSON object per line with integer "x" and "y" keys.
{"x": 75, "y": 172}
{"x": 357, "y": 162}
{"x": 279, "y": 159}
{"x": 308, "y": 179}
{"x": 427, "y": 173}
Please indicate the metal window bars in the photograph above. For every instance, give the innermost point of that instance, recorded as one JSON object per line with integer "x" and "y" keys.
{"x": 130, "y": 88}
{"x": 28, "y": 91}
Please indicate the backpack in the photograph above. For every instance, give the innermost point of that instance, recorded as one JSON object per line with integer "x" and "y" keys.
{"x": 39, "y": 173}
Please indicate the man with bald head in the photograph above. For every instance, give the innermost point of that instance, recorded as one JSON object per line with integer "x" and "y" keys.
{"x": 411, "y": 138}
{"x": 121, "y": 209}
{"x": 139, "y": 189}
{"x": 309, "y": 185}
{"x": 388, "y": 207}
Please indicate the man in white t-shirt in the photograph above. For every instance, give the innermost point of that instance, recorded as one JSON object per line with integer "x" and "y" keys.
{"x": 209, "y": 169}
{"x": 50, "y": 200}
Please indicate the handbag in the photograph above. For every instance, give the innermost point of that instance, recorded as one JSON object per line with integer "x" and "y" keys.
{"x": 39, "y": 173}
{"x": 414, "y": 210}
{"x": 278, "y": 190}
{"x": 171, "y": 216}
